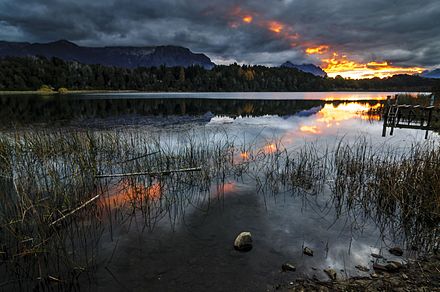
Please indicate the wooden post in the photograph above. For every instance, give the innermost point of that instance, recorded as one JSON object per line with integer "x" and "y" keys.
{"x": 385, "y": 116}
{"x": 396, "y": 109}
{"x": 428, "y": 125}
{"x": 392, "y": 127}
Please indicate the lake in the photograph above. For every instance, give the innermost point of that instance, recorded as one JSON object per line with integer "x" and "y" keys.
{"x": 182, "y": 238}
{"x": 16, "y": 110}
{"x": 250, "y": 95}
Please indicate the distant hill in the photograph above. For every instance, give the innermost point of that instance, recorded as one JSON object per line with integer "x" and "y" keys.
{"x": 308, "y": 68}
{"x": 123, "y": 57}
{"x": 431, "y": 74}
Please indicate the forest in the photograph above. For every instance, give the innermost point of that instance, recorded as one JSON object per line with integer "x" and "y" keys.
{"x": 32, "y": 73}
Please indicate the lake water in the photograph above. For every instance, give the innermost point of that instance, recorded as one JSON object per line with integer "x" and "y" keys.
{"x": 251, "y": 95}
{"x": 195, "y": 252}
{"x": 135, "y": 108}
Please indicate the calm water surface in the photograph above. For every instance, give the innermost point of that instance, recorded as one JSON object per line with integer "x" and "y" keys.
{"x": 251, "y": 95}
{"x": 195, "y": 252}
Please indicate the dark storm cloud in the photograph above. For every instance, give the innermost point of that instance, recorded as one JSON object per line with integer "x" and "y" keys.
{"x": 404, "y": 32}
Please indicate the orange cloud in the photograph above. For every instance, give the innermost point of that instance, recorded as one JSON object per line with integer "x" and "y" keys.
{"x": 317, "y": 50}
{"x": 332, "y": 62}
{"x": 275, "y": 26}
{"x": 343, "y": 66}
{"x": 247, "y": 19}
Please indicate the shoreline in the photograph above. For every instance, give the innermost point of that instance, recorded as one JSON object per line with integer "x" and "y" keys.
{"x": 37, "y": 92}
{"x": 422, "y": 274}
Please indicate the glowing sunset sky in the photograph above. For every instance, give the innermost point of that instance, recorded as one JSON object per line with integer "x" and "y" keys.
{"x": 357, "y": 39}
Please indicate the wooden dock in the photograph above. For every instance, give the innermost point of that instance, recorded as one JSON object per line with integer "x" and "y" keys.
{"x": 405, "y": 116}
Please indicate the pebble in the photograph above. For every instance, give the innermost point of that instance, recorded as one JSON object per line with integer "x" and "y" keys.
{"x": 397, "y": 264}
{"x": 362, "y": 268}
{"x": 288, "y": 267}
{"x": 308, "y": 251}
{"x": 377, "y": 256}
{"x": 392, "y": 267}
{"x": 397, "y": 251}
{"x": 331, "y": 274}
{"x": 243, "y": 242}
{"x": 379, "y": 267}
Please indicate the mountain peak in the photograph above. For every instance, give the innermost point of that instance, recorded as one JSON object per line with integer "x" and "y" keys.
{"x": 307, "y": 68}
{"x": 62, "y": 42}
{"x": 431, "y": 74}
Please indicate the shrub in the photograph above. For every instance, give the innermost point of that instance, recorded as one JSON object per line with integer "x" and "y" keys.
{"x": 63, "y": 90}
{"x": 45, "y": 88}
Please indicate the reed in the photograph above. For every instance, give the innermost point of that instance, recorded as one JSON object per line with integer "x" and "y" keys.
{"x": 61, "y": 190}
{"x": 399, "y": 190}
{"x": 55, "y": 206}
{"x": 419, "y": 99}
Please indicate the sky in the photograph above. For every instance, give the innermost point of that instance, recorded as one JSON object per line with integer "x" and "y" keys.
{"x": 351, "y": 38}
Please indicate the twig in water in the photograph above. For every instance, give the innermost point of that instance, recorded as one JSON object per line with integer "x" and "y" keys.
{"x": 157, "y": 173}
{"x": 74, "y": 210}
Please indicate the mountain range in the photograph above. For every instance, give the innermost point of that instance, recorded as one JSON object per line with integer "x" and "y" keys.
{"x": 431, "y": 74}
{"x": 308, "y": 68}
{"x": 124, "y": 57}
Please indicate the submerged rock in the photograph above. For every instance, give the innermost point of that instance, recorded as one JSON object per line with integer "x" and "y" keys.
{"x": 331, "y": 274}
{"x": 397, "y": 251}
{"x": 288, "y": 267}
{"x": 362, "y": 268}
{"x": 379, "y": 267}
{"x": 376, "y": 256}
{"x": 392, "y": 267}
{"x": 308, "y": 251}
{"x": 421, "y": 274}
{"x": 243, "y": 242}
{"x": 397, "y": 264}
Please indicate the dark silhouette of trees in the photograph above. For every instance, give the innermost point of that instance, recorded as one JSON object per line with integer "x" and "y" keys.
{"x": 34, "y": 72}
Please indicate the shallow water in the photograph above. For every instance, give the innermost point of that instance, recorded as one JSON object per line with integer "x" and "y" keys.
{"x": 197, "y": 255}
{"x": 194, "y": 251}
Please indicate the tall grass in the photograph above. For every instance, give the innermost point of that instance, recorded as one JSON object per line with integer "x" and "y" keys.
{"x": 399, "y": 190}
{"x": 419, "y": 99}
{"x": 49, "y": 231}
{"x": 60, "y": 189}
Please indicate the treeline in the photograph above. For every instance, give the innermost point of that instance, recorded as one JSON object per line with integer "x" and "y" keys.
{"x": 34, "y": 72}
